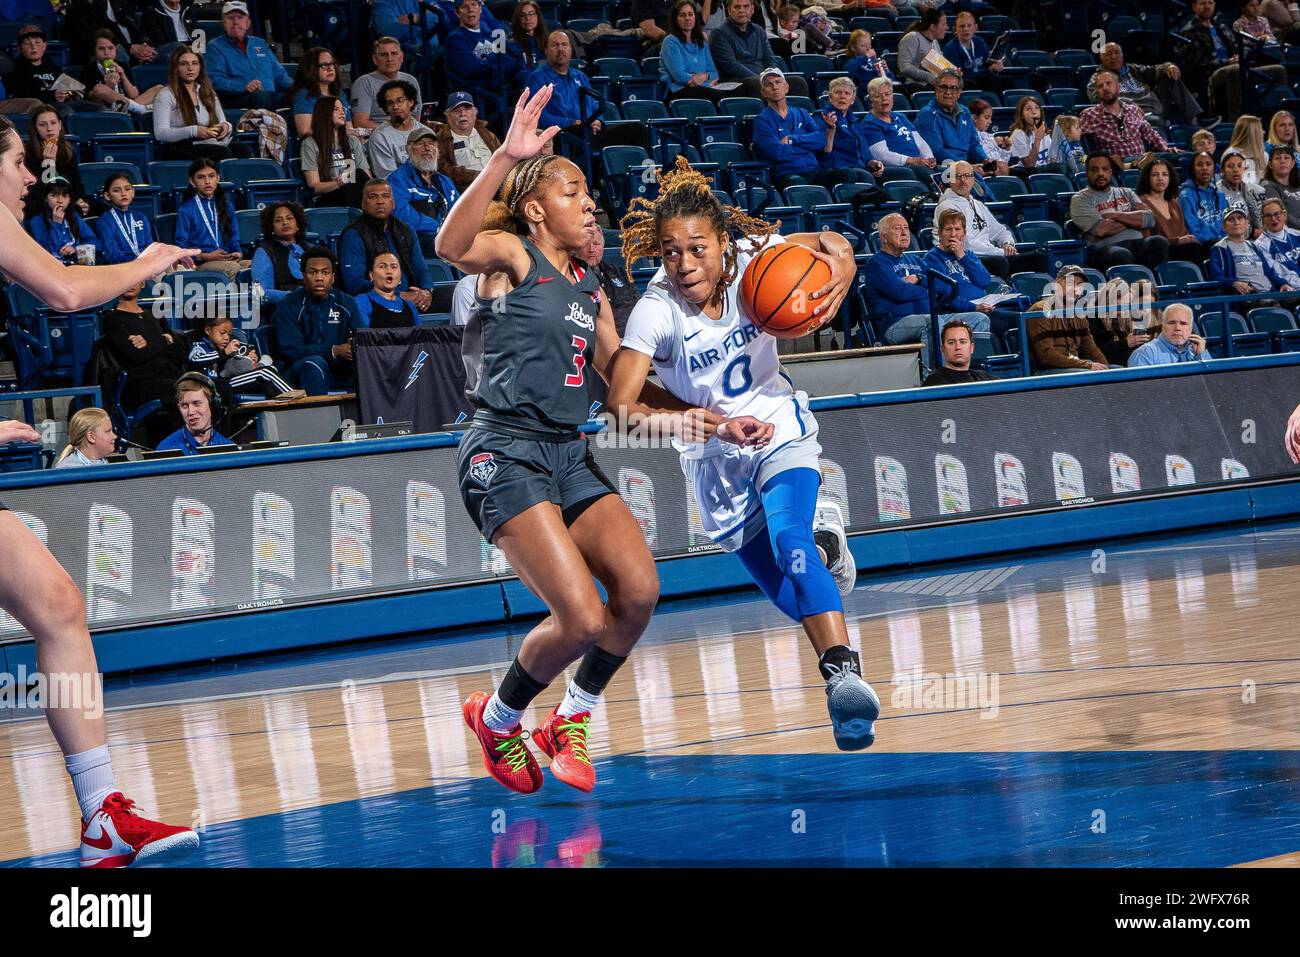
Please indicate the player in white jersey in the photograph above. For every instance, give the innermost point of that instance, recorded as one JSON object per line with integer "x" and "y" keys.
{"x": 756, "y": 479}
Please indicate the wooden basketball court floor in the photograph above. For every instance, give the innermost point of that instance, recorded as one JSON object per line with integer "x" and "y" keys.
{"x": 1139, "y": 707}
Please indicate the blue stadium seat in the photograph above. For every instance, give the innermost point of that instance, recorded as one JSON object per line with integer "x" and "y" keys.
{"x": 250, "y": 228}
{"x": 1278, "y": 324}
{"x": 326, "y": 221}
{"x": 94, "y": 174}
{"x": 1131, "y": 272}
{"x": 1039, "y": 232}
{"x": 261, "y": 181}
{"x": 165, "y": 227}
{"x": 1031, "y": 284}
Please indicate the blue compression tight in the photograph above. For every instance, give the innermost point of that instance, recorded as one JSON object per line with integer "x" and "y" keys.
{"x": 785, "y": 564}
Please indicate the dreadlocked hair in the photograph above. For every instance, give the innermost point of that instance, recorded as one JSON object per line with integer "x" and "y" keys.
{"x": 685, "y": 192}
{"x": 506, "y": 211}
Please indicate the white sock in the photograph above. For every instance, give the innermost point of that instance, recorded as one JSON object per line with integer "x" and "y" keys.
{"x": 92, "y": 778}
{"x": 576, "y": 701}
{"x": 500, "y": 718}
{"x": 133, "y": 107}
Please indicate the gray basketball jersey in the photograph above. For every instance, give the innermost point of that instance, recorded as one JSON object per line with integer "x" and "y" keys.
{"x": 527, "y": 354}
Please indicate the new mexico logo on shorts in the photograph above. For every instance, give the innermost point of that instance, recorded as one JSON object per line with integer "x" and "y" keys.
{"x": 482, "y": 467}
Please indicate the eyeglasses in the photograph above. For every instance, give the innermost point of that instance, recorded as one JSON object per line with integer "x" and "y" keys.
{"x": 1275, "y": 214}
{"x": 325, "y": 65}
{"x": 394, "y": 100}
{"x": 948, "y": 89}
{"x": 963, "y": 176}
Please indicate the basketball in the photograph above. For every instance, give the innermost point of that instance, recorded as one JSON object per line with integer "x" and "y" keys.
{"x": 776, "y": 290}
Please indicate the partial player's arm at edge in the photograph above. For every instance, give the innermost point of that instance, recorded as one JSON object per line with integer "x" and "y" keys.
{"x": 651, "y": 399}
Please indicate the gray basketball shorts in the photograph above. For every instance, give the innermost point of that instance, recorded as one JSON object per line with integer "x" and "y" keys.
{"x": 502, "y": 475}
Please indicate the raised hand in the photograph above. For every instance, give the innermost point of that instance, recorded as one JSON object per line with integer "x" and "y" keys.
{"x": 522, "y": 139}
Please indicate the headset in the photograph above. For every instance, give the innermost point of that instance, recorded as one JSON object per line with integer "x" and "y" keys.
{"x": 215, "y": 404}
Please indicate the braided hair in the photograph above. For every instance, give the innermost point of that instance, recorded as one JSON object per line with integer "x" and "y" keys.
{"x": 506, "y": 211}
{"x": 685, "y": 192}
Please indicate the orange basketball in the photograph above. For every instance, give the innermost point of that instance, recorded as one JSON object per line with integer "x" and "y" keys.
{"x": 776, "y": 290}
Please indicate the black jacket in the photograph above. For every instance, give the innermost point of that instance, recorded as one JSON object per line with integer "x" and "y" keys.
{"x": 1197, "y": 56}
{"x": 82, "y": 18}
{"x": 157, "y": 26}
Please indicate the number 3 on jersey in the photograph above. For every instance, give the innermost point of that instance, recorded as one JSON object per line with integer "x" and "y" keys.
{"x": 579, "y": 360}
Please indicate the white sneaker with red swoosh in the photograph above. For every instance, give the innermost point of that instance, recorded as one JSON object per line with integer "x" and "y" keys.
{"x": 115, "y": 836}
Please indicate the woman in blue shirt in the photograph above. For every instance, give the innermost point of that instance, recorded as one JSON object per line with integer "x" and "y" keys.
{"x": 277, "y": 263}
{"x": 1202, "y": 203}
{"x": 381, "y": 307}
{"x": 686, "y": 66}
{"x": 317, "y": 76}
{"x": 206, "y": 221}
{"x": 58, "y": 227}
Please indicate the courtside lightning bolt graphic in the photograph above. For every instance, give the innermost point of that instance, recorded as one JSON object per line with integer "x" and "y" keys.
{"x": 415, "y": 369}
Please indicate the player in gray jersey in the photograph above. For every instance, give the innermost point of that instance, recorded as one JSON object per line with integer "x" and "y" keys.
{"x": 526, "y": 474}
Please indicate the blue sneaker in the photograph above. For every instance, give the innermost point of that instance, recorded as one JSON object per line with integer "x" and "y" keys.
{"x": 853, "y": 706}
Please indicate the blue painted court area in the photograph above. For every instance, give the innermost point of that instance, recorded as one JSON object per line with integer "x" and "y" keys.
{"x": 1162, "y": 809}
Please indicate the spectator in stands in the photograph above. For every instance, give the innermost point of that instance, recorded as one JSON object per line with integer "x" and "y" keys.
{"x": 244, "y": 69}
{"x": 1113, "y": 220}
{"x": 955, "y": 260}
{"x": 378, "y": 229}
{"x": 122, "y": 234}
{"x": 741, "y": 51}
{"x": 91, "y": 440}
{"x": 996, "y": 146}
{"x": 1203, "y": 141}
{"x": 864, "y": 64}
{"x": 13, "y": 104}
{"x": 992, "y": 242}
{"x": 1060, "y": 340}
{"x": 34, "y": 76}
{"x": 1282, "y": 182}
{"x": 1241, "y": 266}
{"x": 794, "y": 37}
{"x": 922, "y": 39}
{"x": 948, "y": 128}
{"x": 1158, "y": 191}
{"x": 899, "y": 294}
{"x": 368, "y": 110}
{"x": 618, "y": 289}
{"x": 1248, "y": 140}
{"x": 1279, "y": 242}
{"x": 686, "y": 66}
{"x": 414, "y": 23}
{"x": 314, "y": 325}
{"x": 1031, "y": 140}
{"x": 380, "y": 307}
{"x": 277, "y": 261}
{"x": 1210, "y": 61}
{"x": 422, "y": 196}
{"x": 567, "y": 108}
{"x": 892, "y": 139}
{"x": 387, "y": 144}
{"x": 849, "y": 150}
{"x": 655, "y": 21}
{"x": 1067, "y": 150}
{"x": 317, "y": 76}
{"x": 187, "y": 116}
{"x": 1117, "y": 318}
{"x": 1118, "y": 127}
{"x": 222, "y": 357}
{"x": 969, "y": 54}
{"x": 58, "y": 227}
{"x": 1176, "y": 342}
{"x": 528, "y": 35}
{"x": 48, "y": 147}
{"x": 149, "y": 352}
{"x": 957, "y": 344}
{"x": 1282, "y": 132}
{"x": 1202, "y": 202}
{"x": 334, "y": 163}
{"x": 84, "y": 19}
{"x": 109, "y": 83}
{"x": 1250, "y": 22}
{"x": 195, "y": 394}
{"x": 475, "y": 62}
{"x": 167, "y": 21}
{"x": 1156, "y": 90}
{"x": 465, "y": 143}
{"x": 1232, "y": 184}
{"x": 789, "y": 138}
{"x": 1284, "y": 17}
{"x": 206, "y": 221}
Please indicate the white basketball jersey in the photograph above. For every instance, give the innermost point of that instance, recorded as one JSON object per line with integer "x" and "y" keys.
{"x": 728, "y": 366}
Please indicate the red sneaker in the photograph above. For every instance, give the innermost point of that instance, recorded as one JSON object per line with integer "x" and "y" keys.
{"x": 505, "y": 756}
{"x": 565, "y": 742}
{"x": 116, "y": 836}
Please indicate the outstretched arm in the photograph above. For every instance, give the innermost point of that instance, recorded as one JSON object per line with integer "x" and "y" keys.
{"x": 72, "y": 288}
{"x": 461, "y": 240}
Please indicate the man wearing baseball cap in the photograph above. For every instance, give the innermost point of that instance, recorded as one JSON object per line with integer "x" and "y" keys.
{"x": 1240, "y": 266}
{"x": 242, "y": 67}
{"x": 465, "y": 143}
{"x": 421, "y": 195}
{"x": 790, "y": 139}
{"x": 1061, "y": 339}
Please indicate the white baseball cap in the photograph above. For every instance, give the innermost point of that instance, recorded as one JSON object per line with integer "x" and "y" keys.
{"x": 235, "y": 6}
